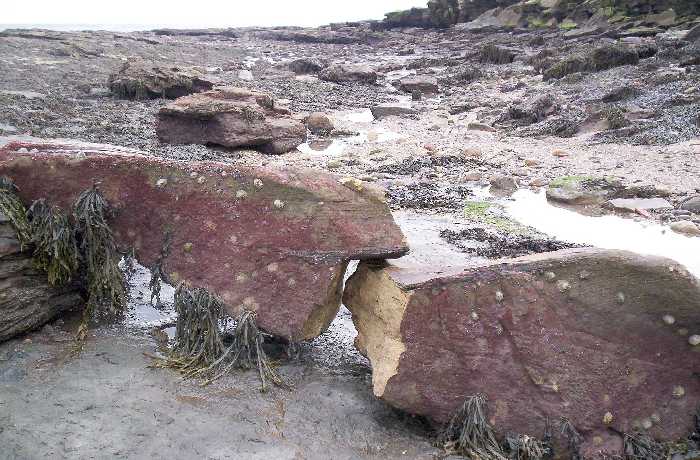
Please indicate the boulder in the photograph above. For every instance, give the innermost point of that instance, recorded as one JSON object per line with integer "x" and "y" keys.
{"x": 230, "y": 117}
{"x": 27, "y": 301}
{"x": 343, "y": 73}
{"x": 583, "y": 190}
{"x": 305, "y": 66}
{"x": 599, "y": 337}
{"x": 138, "y": 79}
{"x": 392, "y": 110}
{"x": 426, "y": 84}
{"x": 273, "y": 240}
{"x": 319, "y": 123}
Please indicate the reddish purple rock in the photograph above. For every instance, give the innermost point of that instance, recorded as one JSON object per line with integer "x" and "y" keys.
{"x": 230, "y": 117}
{"x": 273, "y": 240}
{"x": 577, "y": 333}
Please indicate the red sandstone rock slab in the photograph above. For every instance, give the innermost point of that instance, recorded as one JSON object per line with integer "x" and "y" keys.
{"x": 577, "y": 333}
{"x": 273, "y": 240}
{"x": 231, "y": 117}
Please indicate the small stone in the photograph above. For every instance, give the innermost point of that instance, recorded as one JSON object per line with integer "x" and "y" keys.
{"x": 279, "y": 204}
{"x": 23, "y": 150}
{"x": 669, "y": 319}
{"x": 334, "y": 164}
{"x": 187, "y": 247}
{"x": 656, "y": 418}
{"x": 683, "y": 332}
{"x": 258, "y": 183}
{"x": 476, "y": 126}
{"x": 647, "y": 424}
{"x": 584, "y": 275}
{"x": 472, "y": 176}
{"x": 620, "y": 298}
{"x": 475, "y": 316}
{"x": 685, "y": 227}
{"x": 563, "y": 286}
{"x": 560, "y": 153}
{"x": 499, "y": 296}
{"x": 678, "y": 391}
{"x": 352, "y": 183}
{"x": 201, "y": 180}
{"x": 694, "y": 340}
{"x": 538, "y": 182}
{"x": 550, "y": 276}
{"x": 161, "y": 182}
{"x": 608, "y": 418}
{"x": 529, "y": 162}
{"x": 241, "y": 194}
{"x": 193, "y": 174}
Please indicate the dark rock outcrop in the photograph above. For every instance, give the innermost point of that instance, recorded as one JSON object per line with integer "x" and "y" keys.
{"x": 273, "y": 240}
{"x": 137, "y": 79}
{"x": 27, "y": 301}
{"x": 231, "y": 117}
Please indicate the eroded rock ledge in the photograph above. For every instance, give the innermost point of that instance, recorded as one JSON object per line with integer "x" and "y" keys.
{"x": 27, "y": 301}
{"x": 599, "y": 337}
{"x": 272, "y": 240}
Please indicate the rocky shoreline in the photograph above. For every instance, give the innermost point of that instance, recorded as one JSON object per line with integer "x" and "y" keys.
{"x": 463, "y": 126}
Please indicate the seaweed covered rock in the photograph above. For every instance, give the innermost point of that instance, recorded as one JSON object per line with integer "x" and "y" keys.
{"x": 598, "y": 337}
{"x": 27, "y": 300}
{"x": 598, "y": 59}
{"x": 230, "y": 117}
{"x": 272, "y": 240}
{"x": 138, "y": 79}
{"x": 343, "y": 73}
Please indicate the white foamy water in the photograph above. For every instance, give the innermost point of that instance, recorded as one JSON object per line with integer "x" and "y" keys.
{"x": 607, "y": 232}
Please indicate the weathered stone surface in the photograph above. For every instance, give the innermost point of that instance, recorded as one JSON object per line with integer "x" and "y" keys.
{"x": 137, "y": 79}
{"x": 575, "y": 333}
{"x": 423, "y": 83}
{"x": 343, "y": 73}
{"x": 273, "y": 240}
{"x": 391, "y": 110}
{"x": 231, "y": 117}
{"x": 27, "y": 301}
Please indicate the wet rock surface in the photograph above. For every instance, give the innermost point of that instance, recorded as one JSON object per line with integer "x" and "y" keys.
{"x": 578, "y": 333}
{"x": 27, "y": 301}
{"x": 230, "y": 117}
{"x": 253, "y": 236}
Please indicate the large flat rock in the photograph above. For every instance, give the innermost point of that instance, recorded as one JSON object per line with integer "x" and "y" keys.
{"x": 273, "y": 240}
{"x": 577, "y": 333}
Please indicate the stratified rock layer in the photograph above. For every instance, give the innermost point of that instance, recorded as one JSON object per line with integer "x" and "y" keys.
{"x": 27, "y": 301}
{"x": 576, "y": 333}
{"x": 231, "y": 117}
{"x": 272, "y": 240}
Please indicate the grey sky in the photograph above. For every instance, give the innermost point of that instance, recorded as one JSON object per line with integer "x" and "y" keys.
{"x": 211, "y": 13}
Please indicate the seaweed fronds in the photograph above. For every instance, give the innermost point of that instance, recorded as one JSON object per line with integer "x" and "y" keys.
{"x": 55, "y": 246}
{"x": 106, "y": 285}
{"x": 524, "y": 447}
{"x": 639, "y": 446}
{"x": 574, "y": 438}
{"x": 157, "y": 273}
{"x": 202, "y": 349}
{"x": 469, "y": 432}
{"x": 14, "y": 210}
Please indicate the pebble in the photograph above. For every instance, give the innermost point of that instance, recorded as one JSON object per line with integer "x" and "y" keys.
{"x": 694, "y": 340}
{"x": 560, "y": 153}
